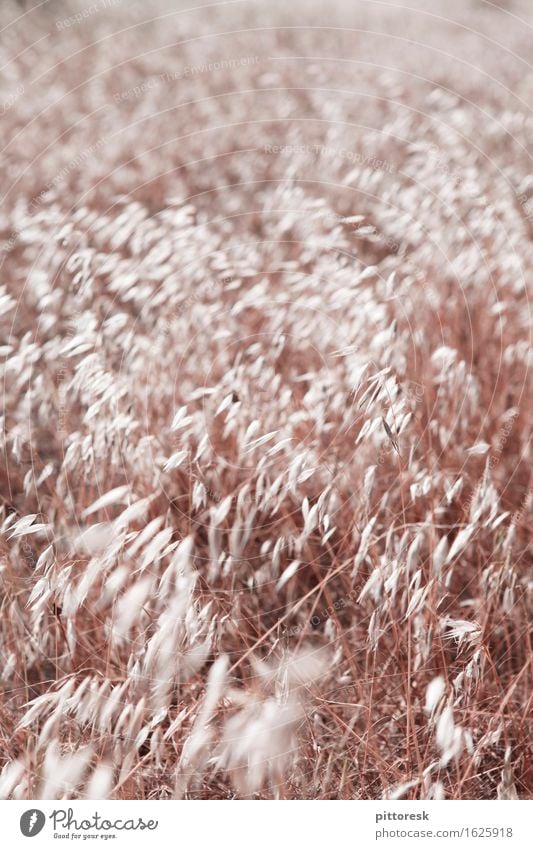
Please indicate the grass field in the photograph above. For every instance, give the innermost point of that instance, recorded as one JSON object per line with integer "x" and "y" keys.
{"x": 265, "y": 483}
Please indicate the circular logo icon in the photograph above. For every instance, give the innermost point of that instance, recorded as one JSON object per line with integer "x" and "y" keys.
{"x": 32, "y": 822}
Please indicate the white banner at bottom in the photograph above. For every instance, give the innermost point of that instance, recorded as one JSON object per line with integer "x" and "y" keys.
{"x": 264, "y": 825}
